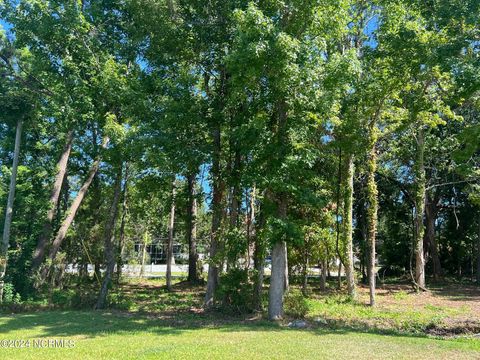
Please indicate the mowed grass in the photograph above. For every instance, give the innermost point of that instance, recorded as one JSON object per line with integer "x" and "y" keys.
{"x": 104, "y": 335}
{"x": 145, "y": 321}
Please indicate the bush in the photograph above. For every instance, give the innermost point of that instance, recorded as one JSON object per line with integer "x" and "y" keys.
{"x": 10, "y": 296}
{"x": 74, "y": 299}
{"x": 295, "y": 304}
{"x": 62, "y": 298}
{"x": 236, "y": 290}
{"x": 84, "y": 300}
{"x": 120, "y": 301}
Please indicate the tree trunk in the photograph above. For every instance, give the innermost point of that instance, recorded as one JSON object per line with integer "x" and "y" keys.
{"x": 72, "y": 211}
{"x": 323, "y": 277}
{"x": 39, "y": 254}
{"x": 9, "y": 210}
{"x": 279, "y": 275}
{"x": 96, "y": 270}
{"x": 144, "y": 256}
{"x": 277, "y": 281}
{"x": 217, "y": 203}
{"x": 259, "y": 264}
{"x": 171, "y": 225}
{"x": 372, "y": 209}
{"x": 287, "y": 282}
{"x": 192, "y": 230}
{"x": 431, "y": 212}
{"x": 259, "y": 261}
{"x": 121, "y": 242}
{"x": 249, "y": 222}
{"x": 305, "y": 275}
{"x": 478, "y": 253}
{"x": 109, "y": 242}
{"x": 348, "y": 227}
{"x": 339, "y": 275}
{"x": 419, "y": 209}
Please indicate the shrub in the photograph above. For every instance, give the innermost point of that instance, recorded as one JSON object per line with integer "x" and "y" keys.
{"x": 83, "y": 300}
{"x": 295, "y": 304}
{"x": 75, "y": 299}
{"x": 10, "y": 296}
{"x": 236, "y": 290}
{"x": 120, "y": 301}
{"x": 62, "y": 298}
{"x": 8, "y": 293}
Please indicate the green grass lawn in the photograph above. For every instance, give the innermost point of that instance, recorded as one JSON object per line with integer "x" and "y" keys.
{"x": 148, "y": 322}
{"x": 125, "y": 336}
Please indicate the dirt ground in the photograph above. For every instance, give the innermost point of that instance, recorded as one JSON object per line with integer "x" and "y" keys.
{"x": 460, "y": 300}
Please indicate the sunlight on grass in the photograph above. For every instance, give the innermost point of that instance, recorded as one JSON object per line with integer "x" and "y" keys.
{"x": 108, "y": 336}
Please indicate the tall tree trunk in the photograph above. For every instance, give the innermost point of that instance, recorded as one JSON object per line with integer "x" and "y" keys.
{"x": 339, "y": 203}
{"x": 372, "y": 209}
{"x": 171, "y": 224}
{"x": 478, "y": 253}
{"x": 39, "y": 254}
{"x": 348, "y": 227}
{"x": 9, "y": 210}
{"x": 217, "y": 207}
{"x": 323, "y": 277}
{"x": 144, "y": 255}
{"x": 279, "y": 275}
{"x": 305, "y": 274}
{"x": 110, "y": 241}
{"x": 121, "y": 242}
{"x": 287, "y": 282}
{"x": 250, "y": 221}
{"x": 72, "y": 211}
{"x": 431, "y": 212}
{"x": 419, "y": 209}
{"x": 339, "y": 275}
{"x": 236, "y": 193}
{"x": 259, "y": 264}
{"x": 192, "y": 229}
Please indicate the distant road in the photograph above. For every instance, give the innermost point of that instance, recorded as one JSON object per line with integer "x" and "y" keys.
{"x": 154, "y": 271}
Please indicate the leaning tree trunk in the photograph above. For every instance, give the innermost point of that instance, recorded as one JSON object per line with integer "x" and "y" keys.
{"x": 372, "y": 209}
{"x": 217, "y": 203}
{"x": 348, "y": 227}
{"x": 72, "y": 211}
{"x": 39, "y": 254}
{"x": 419, "y": 209}
{"x": 9, "y": 210}
{"x": 109, "y": 242}
{"x": 171, "y": 224}
{"x": 278, "y": 280}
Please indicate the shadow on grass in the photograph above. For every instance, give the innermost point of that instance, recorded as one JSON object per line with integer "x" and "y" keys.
{"x": 172, "y": 319}
{"x": 91, "y": 324}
